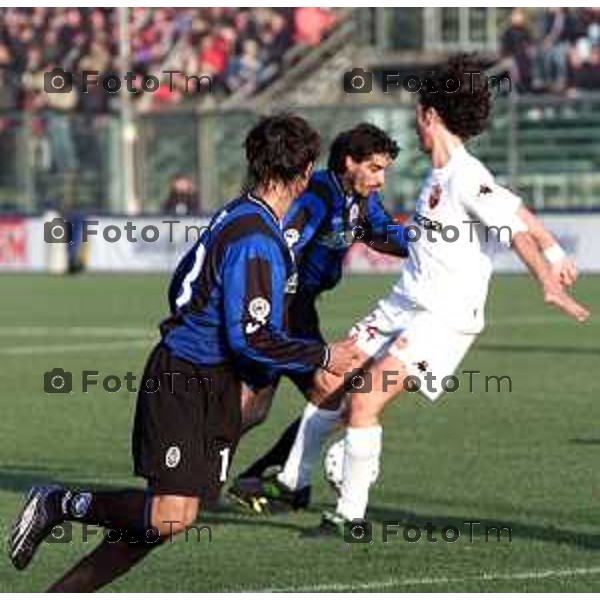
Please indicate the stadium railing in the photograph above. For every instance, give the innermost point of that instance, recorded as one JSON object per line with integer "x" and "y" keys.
{"x": 546, "y": 148}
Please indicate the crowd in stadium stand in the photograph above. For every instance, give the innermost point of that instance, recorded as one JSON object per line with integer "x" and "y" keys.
{"x": 237, "y": 48}
{"x": 556, "y": 51}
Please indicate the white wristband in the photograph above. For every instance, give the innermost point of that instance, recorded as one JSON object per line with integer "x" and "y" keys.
{"x": 554, "y": 254}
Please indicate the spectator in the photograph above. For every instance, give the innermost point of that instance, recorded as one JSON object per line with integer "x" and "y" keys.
{"x": 589, "y": 37}
{"x": 559, "y": 32}
{"x": 587, "y": 75}
{"x": 276, "y": 38}
{"x": 244, "y": 69}
{"x": 59, "y": 124}
{"x": 8, "y": 81}
{"x": 212, "y": 58}
{"x": 517, "y": 43}
{"x": 183, "y": 198}
{"x": 214, "y": 41}
{"x": 560, "y": 57}
{"x": 96, "y": 101}
{"x": 311, "y": 24}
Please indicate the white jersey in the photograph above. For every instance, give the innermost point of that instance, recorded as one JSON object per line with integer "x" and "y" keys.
{"x": 459, "y": 216}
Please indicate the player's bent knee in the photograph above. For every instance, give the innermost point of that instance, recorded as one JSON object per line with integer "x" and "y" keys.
{"x": 362, "y": 413}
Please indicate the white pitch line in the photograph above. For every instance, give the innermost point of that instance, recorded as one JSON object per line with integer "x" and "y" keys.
{"x": 72, "y": 331}
{"x": 109, "y": 331}
{"x": 66, "y": 349}
{"x": 393, "y": 583}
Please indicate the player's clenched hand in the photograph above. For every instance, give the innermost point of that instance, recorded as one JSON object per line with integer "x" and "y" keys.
{"x": 556, "y": 296}
{"x": 341, "y": 356}
{"x": 565, "y": 271}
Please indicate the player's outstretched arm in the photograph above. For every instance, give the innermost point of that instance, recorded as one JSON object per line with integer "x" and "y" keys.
{"x": 563, "y": 266}
{"x": 499, "y": 207}
{"x": 525, "y": 246}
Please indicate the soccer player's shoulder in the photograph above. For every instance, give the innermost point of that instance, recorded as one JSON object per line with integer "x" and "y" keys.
{"x": 245, "y": 220}
{"x": 472, "y": 177}
{"x": 320, "y": 187}
{"x": 253, "y": 232}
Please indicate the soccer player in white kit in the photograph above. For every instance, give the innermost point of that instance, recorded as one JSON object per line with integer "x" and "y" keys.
{"x": 435, "y": 312}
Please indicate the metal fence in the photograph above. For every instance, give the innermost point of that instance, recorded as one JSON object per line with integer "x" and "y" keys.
{"x": 548, "y": 149}
{"x": 60, "y": 159}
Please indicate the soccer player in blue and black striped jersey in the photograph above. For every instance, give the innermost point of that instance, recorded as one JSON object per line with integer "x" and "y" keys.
{"x": 341, "y": 205}
{"x": 228, "y": 318}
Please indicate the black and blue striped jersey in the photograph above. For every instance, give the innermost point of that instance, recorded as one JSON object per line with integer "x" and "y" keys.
{"x": 228, "y": 297}
{"x": 324, "y": 221}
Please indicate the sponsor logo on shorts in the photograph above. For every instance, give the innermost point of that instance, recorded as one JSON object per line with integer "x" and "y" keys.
{"x": 173, "y": 457}
{"x": 371, "y": 332}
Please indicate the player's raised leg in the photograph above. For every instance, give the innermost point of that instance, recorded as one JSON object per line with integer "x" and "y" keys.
{"x": 362, "y": 445}
{"x": 442, "y": 295}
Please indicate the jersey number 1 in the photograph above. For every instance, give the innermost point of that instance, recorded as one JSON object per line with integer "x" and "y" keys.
{"x": 224, "y": 464}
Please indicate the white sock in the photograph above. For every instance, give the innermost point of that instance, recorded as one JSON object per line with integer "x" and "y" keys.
{"x": 315, "y": 426}
{"x": 361, "y": 461}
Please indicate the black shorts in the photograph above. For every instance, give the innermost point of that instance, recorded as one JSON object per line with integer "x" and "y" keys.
{"x": 187, "y": 426}
{"x": 303, "y": 322}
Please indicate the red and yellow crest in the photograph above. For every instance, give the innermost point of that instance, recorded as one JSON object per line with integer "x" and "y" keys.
{"x": 435, "y": 196}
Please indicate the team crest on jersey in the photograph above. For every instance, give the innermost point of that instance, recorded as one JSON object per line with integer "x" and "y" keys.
{"x": 172, "y": 457}
{"x": 435, "y": 195}
{"x": 484, "y": 189}
{"x": 259, "y": 309}
{"x": 291, "y": 236}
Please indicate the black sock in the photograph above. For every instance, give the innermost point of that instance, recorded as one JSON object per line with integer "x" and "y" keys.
{"x": 124, "y": 510}
{"x": 277, "y": 455}
{"x": 104, "y": 564}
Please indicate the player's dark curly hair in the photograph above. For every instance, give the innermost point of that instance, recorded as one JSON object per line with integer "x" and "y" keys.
{"x": 459, "y": 93}
{"x": 280, "y": 148}
{"x": 360, "y": 143}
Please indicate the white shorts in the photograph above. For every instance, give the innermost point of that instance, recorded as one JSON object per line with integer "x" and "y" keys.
{"x": 429, "y": 348}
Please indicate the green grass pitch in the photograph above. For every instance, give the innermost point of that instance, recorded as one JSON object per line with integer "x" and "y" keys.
{"x": 527, "y": 459}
